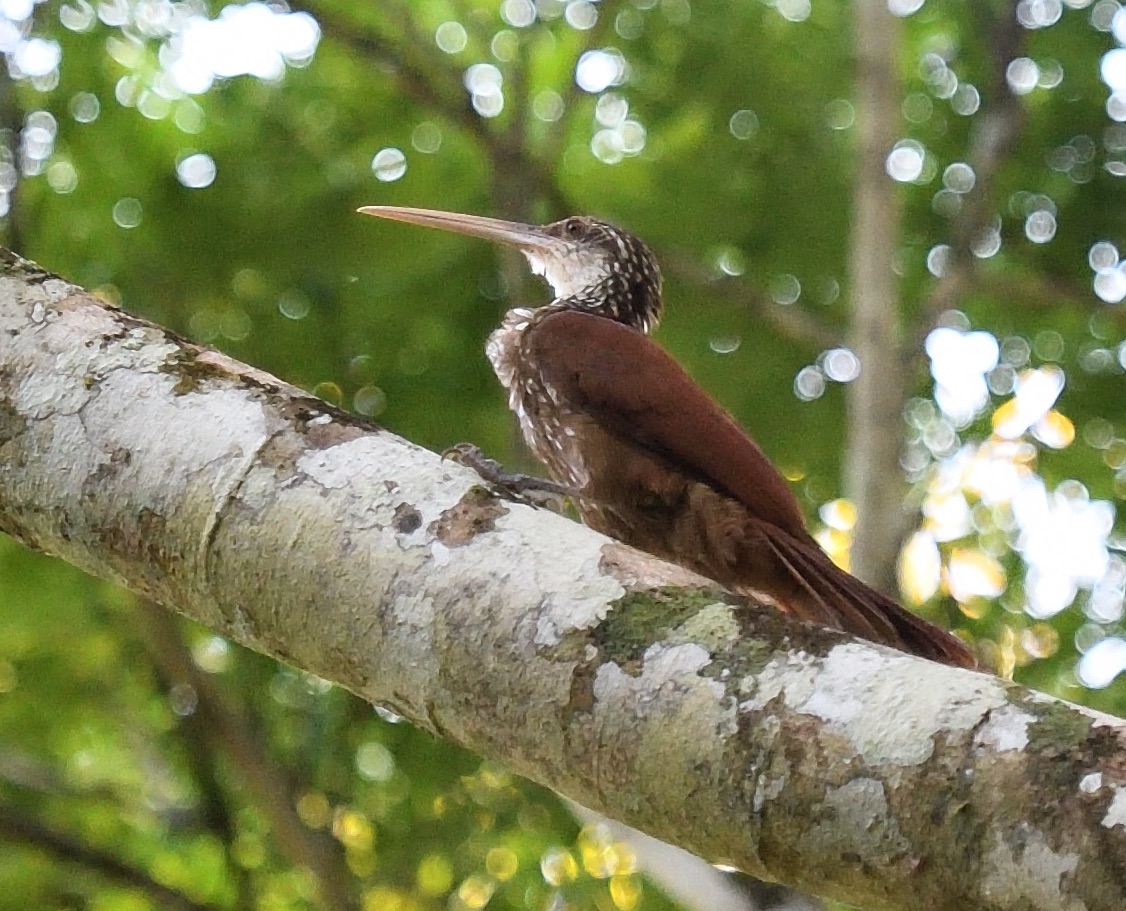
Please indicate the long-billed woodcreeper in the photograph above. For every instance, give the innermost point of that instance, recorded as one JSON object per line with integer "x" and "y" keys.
{"x": 652, "y": 459}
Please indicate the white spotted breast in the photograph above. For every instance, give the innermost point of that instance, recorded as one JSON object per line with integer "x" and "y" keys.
{"x": 546, "y": 421}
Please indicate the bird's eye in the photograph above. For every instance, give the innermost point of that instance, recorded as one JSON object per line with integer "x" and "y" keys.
{"x": 571, "y": 227}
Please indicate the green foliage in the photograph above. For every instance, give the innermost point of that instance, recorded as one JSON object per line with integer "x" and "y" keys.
{"x": 735, "y": 161}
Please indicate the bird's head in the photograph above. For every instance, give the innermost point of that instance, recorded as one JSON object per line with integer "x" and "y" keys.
{"x": 590, "y": 265}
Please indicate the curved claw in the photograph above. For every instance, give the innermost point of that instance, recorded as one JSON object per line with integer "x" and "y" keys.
{"x": 521, "y": 487}
{"x": 467, "y": 454}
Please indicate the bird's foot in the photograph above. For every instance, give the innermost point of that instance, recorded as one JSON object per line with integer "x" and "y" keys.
{"x": 524, "y": 488}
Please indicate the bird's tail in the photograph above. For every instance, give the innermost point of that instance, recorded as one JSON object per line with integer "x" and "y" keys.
{"x": 833, "y": 596}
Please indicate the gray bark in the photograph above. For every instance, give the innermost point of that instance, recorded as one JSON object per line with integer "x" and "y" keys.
{"x": 639, "y": 690}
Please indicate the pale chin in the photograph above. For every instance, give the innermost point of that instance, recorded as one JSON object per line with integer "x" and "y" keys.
{"x": 542, "y": 265}
{"x": 535, "y": 261}
{"x": 568, "y": 276}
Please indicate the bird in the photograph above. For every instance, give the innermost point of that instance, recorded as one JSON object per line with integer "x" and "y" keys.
{"x": 650, "y": 458}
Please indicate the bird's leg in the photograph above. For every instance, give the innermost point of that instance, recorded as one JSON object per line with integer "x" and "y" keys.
{"x": 523, "y": 487}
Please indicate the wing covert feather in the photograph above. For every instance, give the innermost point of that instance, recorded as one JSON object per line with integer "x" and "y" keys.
{"x": 637, "y": 392}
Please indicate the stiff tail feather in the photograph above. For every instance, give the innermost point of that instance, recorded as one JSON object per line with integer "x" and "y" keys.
{"x": 863, "y": 611}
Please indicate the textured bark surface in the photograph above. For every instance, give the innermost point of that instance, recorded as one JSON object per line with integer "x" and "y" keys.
{"x": 844, "y": 769}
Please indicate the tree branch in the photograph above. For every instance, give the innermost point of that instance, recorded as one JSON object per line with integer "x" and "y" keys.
{"x": 1042, "y": 292}
{"x": 16, "y": 828}
{"x": 433, "y": 90}
{"x": 791, "y": 322}
{"x": 634, "y": 687}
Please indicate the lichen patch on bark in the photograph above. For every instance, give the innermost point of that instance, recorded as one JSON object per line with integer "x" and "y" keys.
{"x": 1027, "y": 871}
{"x": 854, "y": 679}
{"x": 1116, "y": 812}
{"x": 641, "y": 618}
{"x": 856, "y": 815}
{"x": 1006, "y": 729}
{"x": 790, "y": 676}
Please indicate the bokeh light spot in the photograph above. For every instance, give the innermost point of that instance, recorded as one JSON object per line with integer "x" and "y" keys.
{"x": 920, "y": 568}
{"x": 904, "y": 7}
{"x": 36, "y": 57}
{"x": 314, "y": 809}
{"x": 62, "y": 176}
{"x": 966, "y": 100}
{"x": 959, "y": 177}
{"x": 352, "y": 829}
{"x": 905, "y": 161}
{"x": 730, "y": 261}
{"x": 840, "y": 365}
{"x": 581, "y": 15}
{"x": 518, "y": 13}
{"x": 1036, "y": 393}
{"x": 501, "y": 863}
{"x": 84, "y": 107}
{"x": 548, "y": 105}
{"x": 743, "y": 124}
{"x": 625, "y": 892}
{"x": 250, "y": 39}
{"x": 78, "y": 17}
{"x": 785, "y": 289}
{"x": 793, "y": 10}
{"x": 611, "y": 110}
{"x": 725, "y": 344}
{"x": 1055, "y": 430}
{"x": 426, "y": 137}
{"x": 1040, "y": 226}
{"x": 917, "y": 107}
{"x": 1023, "y": 75}
{"x": 1110, "y": 286}
{"x": 212, "y": 654}
{"x": 1048, "y": 345}
{"x": 375, "y": 762}
{"x": 370, "y": 401}
{"x": 293, "y": 304}
{"x": 959, "y": 363}
{"x": 988, "y": 242}
{"x": 1034, "y": 14}
{"x": 1102, "y": 663}
{"x": 127, "y": 212}
{"x": 597, "y": 70}
{"x": 435, "y": 875}
{"x": 1103, "y": 256}
{"x": 938, "y": 259}
{"x": 973, "y": 574}
{"x": 474, "y": 893}
{"x": 809, "y": 384}
{"x": 389, "y": 164}
{"x": 196, "y": 171}
{"x": 451, "y": 37}
{"x": 840, "y": 114}
{"x": 330, "y": 392}
{"x": 558, "y": 866}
